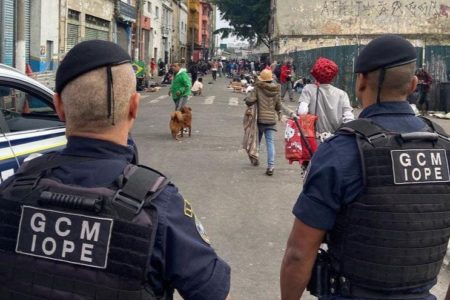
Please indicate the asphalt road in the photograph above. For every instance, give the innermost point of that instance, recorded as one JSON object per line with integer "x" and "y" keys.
{"x": 247, "y": 214}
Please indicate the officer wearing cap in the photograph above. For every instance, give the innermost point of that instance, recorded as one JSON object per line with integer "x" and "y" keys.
{"x": 376, "y": 194}
{"x": 86, "y": 223}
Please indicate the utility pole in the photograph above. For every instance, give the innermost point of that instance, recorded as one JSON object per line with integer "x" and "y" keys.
{"x": 20, "y": 35}
{"x": 272, "y": 29}
{"x": 193, "y": 39}
{"x": 138, "y": 54}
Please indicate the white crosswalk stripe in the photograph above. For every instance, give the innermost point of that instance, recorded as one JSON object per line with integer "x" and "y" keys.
{"x": 234, "y": 101}
{"x": 209, "y": 100}
{"x": 158, "y": 99}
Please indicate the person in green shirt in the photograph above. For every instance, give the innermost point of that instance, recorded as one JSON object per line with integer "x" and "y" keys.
{"x": 181, "y": 86}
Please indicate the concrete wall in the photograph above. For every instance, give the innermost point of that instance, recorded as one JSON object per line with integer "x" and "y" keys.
{"x": 44, "y": 32}
{"x": 362, "y": 17}
{"x": 103, "y": 9}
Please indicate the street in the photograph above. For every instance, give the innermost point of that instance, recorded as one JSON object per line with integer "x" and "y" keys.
{"x": 247, "y": 214}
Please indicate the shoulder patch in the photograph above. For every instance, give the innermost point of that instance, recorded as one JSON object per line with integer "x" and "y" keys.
{"x": 201, "y": 231}
{"x": 188, "y": 210}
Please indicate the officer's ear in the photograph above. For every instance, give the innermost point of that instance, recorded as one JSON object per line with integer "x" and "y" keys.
{"x": 59, "y": 107}
{"x": 134, "y": 105}
{"x": 413, "y": 84}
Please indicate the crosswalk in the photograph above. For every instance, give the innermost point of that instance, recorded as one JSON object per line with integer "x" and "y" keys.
{"x": 208, "y": 100}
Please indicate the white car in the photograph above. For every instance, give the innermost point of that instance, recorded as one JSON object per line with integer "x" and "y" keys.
{"x": 28, "y": 121}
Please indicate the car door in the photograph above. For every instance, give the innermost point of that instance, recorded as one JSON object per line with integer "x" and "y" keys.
{"x": 29, "y": 125}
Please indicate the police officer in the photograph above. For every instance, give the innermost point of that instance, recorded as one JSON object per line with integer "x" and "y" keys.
{"x": 377, "y": 193}
{"x": 85, "y": 223}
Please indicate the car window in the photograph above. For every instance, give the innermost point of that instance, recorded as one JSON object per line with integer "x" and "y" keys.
{"x": 21, "y": 110}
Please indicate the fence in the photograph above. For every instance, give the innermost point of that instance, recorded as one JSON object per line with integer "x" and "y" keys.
{"x": 437, "y": 64}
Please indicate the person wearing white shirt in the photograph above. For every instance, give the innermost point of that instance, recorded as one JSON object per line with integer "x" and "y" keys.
{"x": 197, "y": 87}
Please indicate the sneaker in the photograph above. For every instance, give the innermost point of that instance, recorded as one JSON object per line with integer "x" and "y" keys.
{"x": 269, "y": 171}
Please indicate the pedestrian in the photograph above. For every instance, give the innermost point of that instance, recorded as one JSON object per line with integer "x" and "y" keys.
{"x": 193, "y": 70}
{"x": 162, "y": 68}
{"x": 329, "y": 103}
{"x": 425, "y": 81}
{"x": 286, "y": 74}
{"x": 214, "y": 68}
{"x": 197, "y": 87}
{"x": 266, "y": 96}
{"x": 220, "y": 68}
{"x": 152, "y": 67}
{"x": 181, "y": 86}
{"x": 89, "y": 224}
{"x": 366, "y": 194}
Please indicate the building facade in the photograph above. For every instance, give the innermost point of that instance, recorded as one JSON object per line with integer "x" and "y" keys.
{"x": 338, "y": 30}
{"x": 146, "y": 29}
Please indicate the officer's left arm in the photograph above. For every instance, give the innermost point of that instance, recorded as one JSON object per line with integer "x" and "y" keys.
{"x": 303, "y": 244}
{"x": 190, "y": 264}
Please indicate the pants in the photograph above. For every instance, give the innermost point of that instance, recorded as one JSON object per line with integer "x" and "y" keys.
{"x": 220, "y": 72}
{"x": 423, "y": 100}
{"x": 269, "y": 133}
{"x": 181, "y": 102}
{"x": 287, "y": 87}
{"x": 193, "y": 77}
{"x": 214, "y": 75}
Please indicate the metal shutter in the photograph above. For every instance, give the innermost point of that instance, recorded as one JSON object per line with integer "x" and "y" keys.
{"x": 73, "y": 31}
{"x": 95, "y": 34}
{"x": 122, "y": 36}
{"x": 27, "y": 30}
{"x": 7, "y": 18}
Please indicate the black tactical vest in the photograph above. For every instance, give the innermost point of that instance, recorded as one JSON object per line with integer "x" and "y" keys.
{"x": 70, "y": 242}
{"x": 393, "y": 238}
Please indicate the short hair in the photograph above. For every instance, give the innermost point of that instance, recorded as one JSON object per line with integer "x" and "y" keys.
{"x": 85, "y": 99}
{"x": 396, "y": 80}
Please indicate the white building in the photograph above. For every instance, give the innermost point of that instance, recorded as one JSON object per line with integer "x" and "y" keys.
{"x": 153, "y": 9}
{"x": 183, "y": 27}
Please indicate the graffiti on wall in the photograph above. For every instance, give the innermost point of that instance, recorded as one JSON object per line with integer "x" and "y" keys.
{"x": 399, "y": 8}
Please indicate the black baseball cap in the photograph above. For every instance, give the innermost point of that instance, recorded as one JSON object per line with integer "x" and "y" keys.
{"x": 385, "y": 52}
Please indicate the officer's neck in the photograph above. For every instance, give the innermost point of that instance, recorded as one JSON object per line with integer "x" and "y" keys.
{"x": 116, "y": 137}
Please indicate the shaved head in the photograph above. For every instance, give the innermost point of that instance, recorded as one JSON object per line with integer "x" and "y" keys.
{"x": 397, "y": 81}
{"x": 85, "y": 99}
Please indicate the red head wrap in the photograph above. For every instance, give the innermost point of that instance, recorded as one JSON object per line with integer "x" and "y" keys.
{"x": 324, "y": 70}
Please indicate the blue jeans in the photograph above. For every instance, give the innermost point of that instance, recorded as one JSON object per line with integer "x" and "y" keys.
{"x": 269, "y": 133}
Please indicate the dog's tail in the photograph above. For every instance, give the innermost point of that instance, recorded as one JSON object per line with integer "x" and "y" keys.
{"x": 176, "y": 116}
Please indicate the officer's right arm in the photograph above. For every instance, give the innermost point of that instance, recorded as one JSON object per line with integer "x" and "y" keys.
{"x": 183, "y": 253}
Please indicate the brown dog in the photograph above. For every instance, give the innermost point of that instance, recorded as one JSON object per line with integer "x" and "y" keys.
{"x": 180, "y": 120}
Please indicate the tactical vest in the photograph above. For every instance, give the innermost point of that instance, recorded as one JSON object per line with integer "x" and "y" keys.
{"x": 394, "y": 237}
{"x": 69, "y": 242}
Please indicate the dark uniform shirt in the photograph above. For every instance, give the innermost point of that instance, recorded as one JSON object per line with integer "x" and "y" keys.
{"x": 181, "y": 259}
{"x": 335, "y": 177}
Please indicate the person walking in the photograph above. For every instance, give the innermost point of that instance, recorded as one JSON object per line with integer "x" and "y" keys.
{"x": 181, "y": 86}
{"x": 367, "y": 196}
{"x": 214, "y": 68}
{"x": 266, "y": 96}
{"x": 424, "y": 86}
{"x": 152, "y": 67}
{"x": 329, "y": 103}
{"x": 90, "y": 224}
{"x": 193, "y": 70}
{"x": 286, "y": 74}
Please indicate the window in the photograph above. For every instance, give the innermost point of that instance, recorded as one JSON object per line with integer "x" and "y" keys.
{"x": 20, "y": 110}
{"x": 156, "y": 12}
{"x": 149, "y": 7}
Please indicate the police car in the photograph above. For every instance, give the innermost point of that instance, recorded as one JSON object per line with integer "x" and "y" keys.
{"x": 28, "y": 121}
